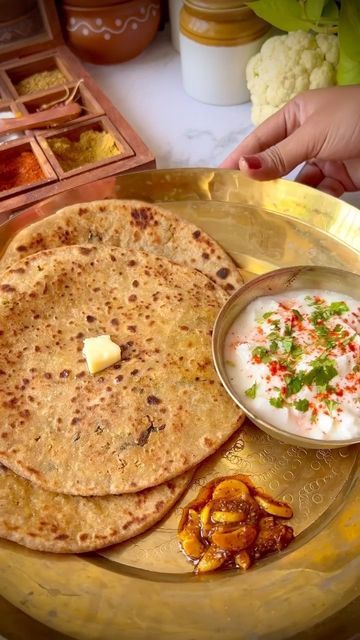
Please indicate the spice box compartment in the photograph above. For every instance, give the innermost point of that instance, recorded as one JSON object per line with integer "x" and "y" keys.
{"x": 17, "y": 110}
{"x": 54, "y": 97}
{"x": 18, "y": 71}
{"x": 16, "y": 159}
{"x": 5, "y": 95}
{"x": 61, "y": 156}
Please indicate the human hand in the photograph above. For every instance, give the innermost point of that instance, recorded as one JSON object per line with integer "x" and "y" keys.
{"x": 320, "y": 127}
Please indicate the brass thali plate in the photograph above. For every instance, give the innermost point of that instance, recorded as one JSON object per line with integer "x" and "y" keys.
{"x": 144, "y": 589}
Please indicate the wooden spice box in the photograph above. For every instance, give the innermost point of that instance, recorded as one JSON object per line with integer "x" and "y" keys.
{"x": 21, "y": 59}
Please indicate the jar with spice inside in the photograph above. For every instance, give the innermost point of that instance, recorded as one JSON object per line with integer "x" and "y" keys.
{"x": 217, "y": 39}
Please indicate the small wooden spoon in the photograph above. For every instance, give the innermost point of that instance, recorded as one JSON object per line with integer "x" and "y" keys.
{"x": 55, "y": 115}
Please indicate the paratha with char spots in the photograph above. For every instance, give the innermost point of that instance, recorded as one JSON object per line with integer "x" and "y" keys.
{"x": 59, "y": 523}
{"x": 138, "y": 423}
{"x": 128, "y": 224}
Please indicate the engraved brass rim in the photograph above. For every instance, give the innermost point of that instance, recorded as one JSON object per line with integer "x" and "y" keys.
{"x": 262, "y": 226}
{"x": 274, "y": 282}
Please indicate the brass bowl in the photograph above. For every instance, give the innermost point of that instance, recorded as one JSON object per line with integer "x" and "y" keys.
{"x": 274, "y": 282}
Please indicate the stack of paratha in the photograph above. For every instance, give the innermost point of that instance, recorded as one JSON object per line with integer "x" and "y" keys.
{"x": 93, "y": 460}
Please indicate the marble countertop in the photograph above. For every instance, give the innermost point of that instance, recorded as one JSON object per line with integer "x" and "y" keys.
{"x": 180, "y": 131}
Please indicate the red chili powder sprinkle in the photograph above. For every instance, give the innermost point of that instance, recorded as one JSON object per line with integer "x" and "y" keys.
{"x": 19, "y": 170}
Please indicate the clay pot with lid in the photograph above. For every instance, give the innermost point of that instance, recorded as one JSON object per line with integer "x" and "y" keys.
{"x": 217, "y": 39}
{"x": 113, "y": 33}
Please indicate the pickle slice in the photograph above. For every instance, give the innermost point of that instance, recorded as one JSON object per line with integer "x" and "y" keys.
{"x": 227, "y": 517}
{"x": 232, "y": 488}
{"x": 274, "y": 507}
{"x": 237, "y": 539}
{"x": 212, "y": 559}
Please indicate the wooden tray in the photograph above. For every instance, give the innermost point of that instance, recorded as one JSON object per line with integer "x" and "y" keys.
{"x": 45, "y": 51}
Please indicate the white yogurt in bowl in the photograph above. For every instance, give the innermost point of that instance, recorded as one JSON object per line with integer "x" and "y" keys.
{"x": 293, "y": 359}
{"x": 286, "y": 347}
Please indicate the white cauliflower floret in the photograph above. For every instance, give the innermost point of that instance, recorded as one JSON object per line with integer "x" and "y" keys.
{"x": 323, "y": 76}
{"x": 287, "y": 65}
{"x": 329, "y": 46}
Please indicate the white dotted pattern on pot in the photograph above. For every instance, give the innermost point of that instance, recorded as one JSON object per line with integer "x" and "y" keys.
{"x": 132, "y": 22}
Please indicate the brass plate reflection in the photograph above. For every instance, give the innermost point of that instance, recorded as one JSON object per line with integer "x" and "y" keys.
{"x": 144, "y": 589}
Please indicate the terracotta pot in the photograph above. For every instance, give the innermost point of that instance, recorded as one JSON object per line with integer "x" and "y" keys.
{"x": 111, "y": 34}
{"x": 92, "y": 4}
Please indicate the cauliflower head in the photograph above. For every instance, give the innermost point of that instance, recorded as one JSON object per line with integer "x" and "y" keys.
{"x": 287, "y": 65}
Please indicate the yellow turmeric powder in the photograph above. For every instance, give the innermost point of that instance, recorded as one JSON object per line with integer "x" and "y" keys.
{"x": 91, "y": 147}
{"x": 40, "y": 81}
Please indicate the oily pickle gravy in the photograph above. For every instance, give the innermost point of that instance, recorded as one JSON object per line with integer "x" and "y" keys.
{"x": 232, "y": 524}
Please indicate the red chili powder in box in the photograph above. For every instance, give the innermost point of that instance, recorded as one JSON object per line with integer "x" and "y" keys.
{"x": 19, "y": 170}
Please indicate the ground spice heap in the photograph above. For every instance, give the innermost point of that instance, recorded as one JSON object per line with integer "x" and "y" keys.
{"x": 91, "y": 147}
{"x": 18, "y": 170}
{"x": 40, "y": 81}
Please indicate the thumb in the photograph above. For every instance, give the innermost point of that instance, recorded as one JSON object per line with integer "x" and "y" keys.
{"x": 281, "y": 158}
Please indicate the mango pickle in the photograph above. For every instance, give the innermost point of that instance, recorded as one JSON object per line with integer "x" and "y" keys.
{"x": 274, "y": 507}
{"x": 230, "y": 489}
{"x": 232, "y": 524}
{"x": 243, "y": 560}
{"x": 227, "y": 516}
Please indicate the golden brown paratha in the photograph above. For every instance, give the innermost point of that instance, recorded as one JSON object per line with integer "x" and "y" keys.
{"x": 128, "y": 224}
{"x": 138, "y": 423}
{"x": 71, "y": 524}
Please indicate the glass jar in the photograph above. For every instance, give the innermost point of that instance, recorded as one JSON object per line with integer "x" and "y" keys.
{"x": 217, "y": 39}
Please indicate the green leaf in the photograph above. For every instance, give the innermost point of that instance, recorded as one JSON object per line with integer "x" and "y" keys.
{"x": 287, "y": 344}
{"x": 348, "y": 71}
{"x": 288, "y": 329}
{"x": 331, "y": 404}
{"x": 312, "y": 9}
{"x": 267, "y": 314}
{"x": 338, "y": 308}
{"x": 262, "y": 353}
{"x": 301, "y": 405}
{"x": 296, "y": 351}
{"x": 323, "y": 361}
{"x": 295, "y": 384}
{"x": 273, "y": 346}
{"x": 251, "y": 392}
{"x": 349, "y": 339}
{"x": 297, "y": 314}
{"x": 278, "y": 402}
{"x": 331, "y": 11}
{"x": 286, "y": 16}
{"x": 320, "y": 375}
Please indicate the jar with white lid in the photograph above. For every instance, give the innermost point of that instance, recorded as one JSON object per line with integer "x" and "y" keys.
{"x": 217, "y": 39}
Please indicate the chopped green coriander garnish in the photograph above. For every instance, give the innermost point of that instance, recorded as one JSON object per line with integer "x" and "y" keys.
{"x": 262, "y": 353}
{"x": 267, "y": 314}
{"x": 297, "y": 314}
{"x": 294, "y": 384}
{"x": 338, "y": 308}
{"x": 301, "y": 405}
{"x": 320, "y": 375}
{"x": 277, "y": 402}
{"x": 349, "y": 339}
{"x": 287, "y": 344}
{"x": 323, "y": 312}
{"x": 274, "y": 346}
{"x": 331, "y": 404}
{"x": 288, "y": 329}
{"x": 276, "y": 325}
{"x": 251, "y": 391}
